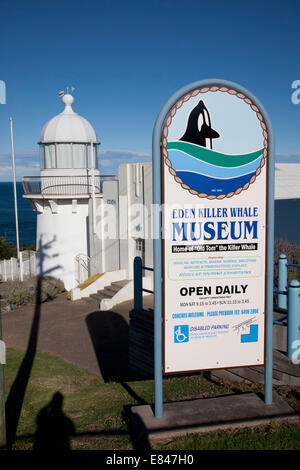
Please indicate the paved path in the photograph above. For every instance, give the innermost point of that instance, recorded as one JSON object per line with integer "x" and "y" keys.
{"x": 74, "y": 331}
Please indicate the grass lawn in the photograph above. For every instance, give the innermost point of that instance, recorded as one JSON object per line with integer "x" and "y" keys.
{"x": 98, "y": 411}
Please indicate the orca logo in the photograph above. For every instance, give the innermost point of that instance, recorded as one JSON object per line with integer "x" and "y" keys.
{"x": 199, "y": 130}
{"x": 240, "y": 141}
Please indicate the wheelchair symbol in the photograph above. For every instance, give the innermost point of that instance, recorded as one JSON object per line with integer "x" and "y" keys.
{"x": 181, "y": 334}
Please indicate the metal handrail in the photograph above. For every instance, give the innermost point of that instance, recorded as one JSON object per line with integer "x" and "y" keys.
{"x": 281, "y": 292}
{"x": 147, "y": 269}
{"x": 82, "y": 260}
{"x": 288, "y": 265}
{"x": 138, "y": 283}
{"x": 147, "y": 290}
{"x": 280, "y": 322}
{"x": 288, "y": 303}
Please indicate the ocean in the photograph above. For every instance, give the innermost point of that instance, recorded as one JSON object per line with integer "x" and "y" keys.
{"x": 287, "y": 217}
{"x": 27, "y": 217}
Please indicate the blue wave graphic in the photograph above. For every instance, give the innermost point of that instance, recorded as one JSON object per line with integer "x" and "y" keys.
{"x": 213, "y": 186}
{"x": 182, "y": 162}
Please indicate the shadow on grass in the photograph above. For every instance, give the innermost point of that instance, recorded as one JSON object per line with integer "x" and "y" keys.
{"x": 17, "y": 392}
{"x": 54, "y": 428}
{"x": 55, "y": 432}
{"x": 110, "y": 336}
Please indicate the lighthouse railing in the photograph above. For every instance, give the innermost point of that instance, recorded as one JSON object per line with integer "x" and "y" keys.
{"x": 65, "y": 185}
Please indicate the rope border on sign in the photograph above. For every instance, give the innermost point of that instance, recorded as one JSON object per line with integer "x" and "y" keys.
{"x": 169, "y": 119}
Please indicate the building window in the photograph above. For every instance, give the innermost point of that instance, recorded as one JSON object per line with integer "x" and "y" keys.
{"x": 94, "y": 159}
{"x": 64, "y": 156}
{"x": 42, "y": 157}
{"x": 50, "y": 157}
{"x": 140, "y": 244}
{"x": 68, "y": 155}
{"x": 79, "y": 156}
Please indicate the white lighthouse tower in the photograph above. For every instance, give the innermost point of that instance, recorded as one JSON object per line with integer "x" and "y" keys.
{"x": 69, "y": 180}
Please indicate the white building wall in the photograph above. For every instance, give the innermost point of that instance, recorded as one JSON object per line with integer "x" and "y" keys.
{"x": 104, "y": 243}
{"x": 96, "y": 242}
{"x": 287, "y": 181}
{"x": 110, "y": 225}
{"x": 123, "y": 214}
{"x": 147, "y": 178}
{"x": 62, "y": 233}
{"x": 135, "y": 194}
{"x": 135, "y": 214}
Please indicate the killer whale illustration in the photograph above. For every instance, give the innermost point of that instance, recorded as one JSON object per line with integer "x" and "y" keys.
{"x": 198, "y": 129}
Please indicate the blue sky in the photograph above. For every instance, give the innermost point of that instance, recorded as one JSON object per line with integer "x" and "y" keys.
{"x": 126, "y": 58}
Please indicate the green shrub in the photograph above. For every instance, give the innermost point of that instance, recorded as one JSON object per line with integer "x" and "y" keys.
{"x": 292, "y": 252}
{"x": 32, "y": 290}
{"x": 18, "y": 297}
{"x": 50, "y": 288}
{"x": 7, "y": 249}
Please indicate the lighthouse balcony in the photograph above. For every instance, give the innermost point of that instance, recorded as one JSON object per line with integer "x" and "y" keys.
{"x": 64, "y": 186}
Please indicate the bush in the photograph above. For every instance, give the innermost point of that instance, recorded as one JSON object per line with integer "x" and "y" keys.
{"x": 32, "y": 290}
{"x": 292, "y": 252}
{"x": 7, "y": 249}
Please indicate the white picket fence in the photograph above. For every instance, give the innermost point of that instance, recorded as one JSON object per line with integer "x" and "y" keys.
{"x": 9, "y": 267}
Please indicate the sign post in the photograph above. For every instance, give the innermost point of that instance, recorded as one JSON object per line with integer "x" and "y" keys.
{"x": 2, "y": 394}
{"x": 213, "y": 178}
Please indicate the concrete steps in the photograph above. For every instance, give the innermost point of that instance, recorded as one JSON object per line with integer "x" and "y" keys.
{"x": 108, "y": 292}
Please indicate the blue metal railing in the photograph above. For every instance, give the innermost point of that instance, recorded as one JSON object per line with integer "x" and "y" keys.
{"x": 288, "y": 303}
{"x": 138, "y": 283}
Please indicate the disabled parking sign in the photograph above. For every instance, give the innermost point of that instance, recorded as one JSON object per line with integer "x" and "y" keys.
{"x": 181, "y": 334}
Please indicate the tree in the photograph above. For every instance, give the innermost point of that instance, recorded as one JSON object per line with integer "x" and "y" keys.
{"x": 7, "y": 249}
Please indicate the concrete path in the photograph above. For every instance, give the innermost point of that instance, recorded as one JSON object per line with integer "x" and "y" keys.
{"x": 77, "y": 332}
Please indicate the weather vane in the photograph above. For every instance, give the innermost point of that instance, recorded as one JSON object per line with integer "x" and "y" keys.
{"x": 67, "y": 91}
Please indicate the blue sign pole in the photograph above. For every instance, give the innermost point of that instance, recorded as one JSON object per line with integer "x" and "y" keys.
{"x": 157, "y": 251}
{"x": 157, "y": 260}
{"x": 293, "y": 329}
{"x": 282, "y": 281}
{"x": 270, "y": 266}
{"x": 157, "y": 234}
